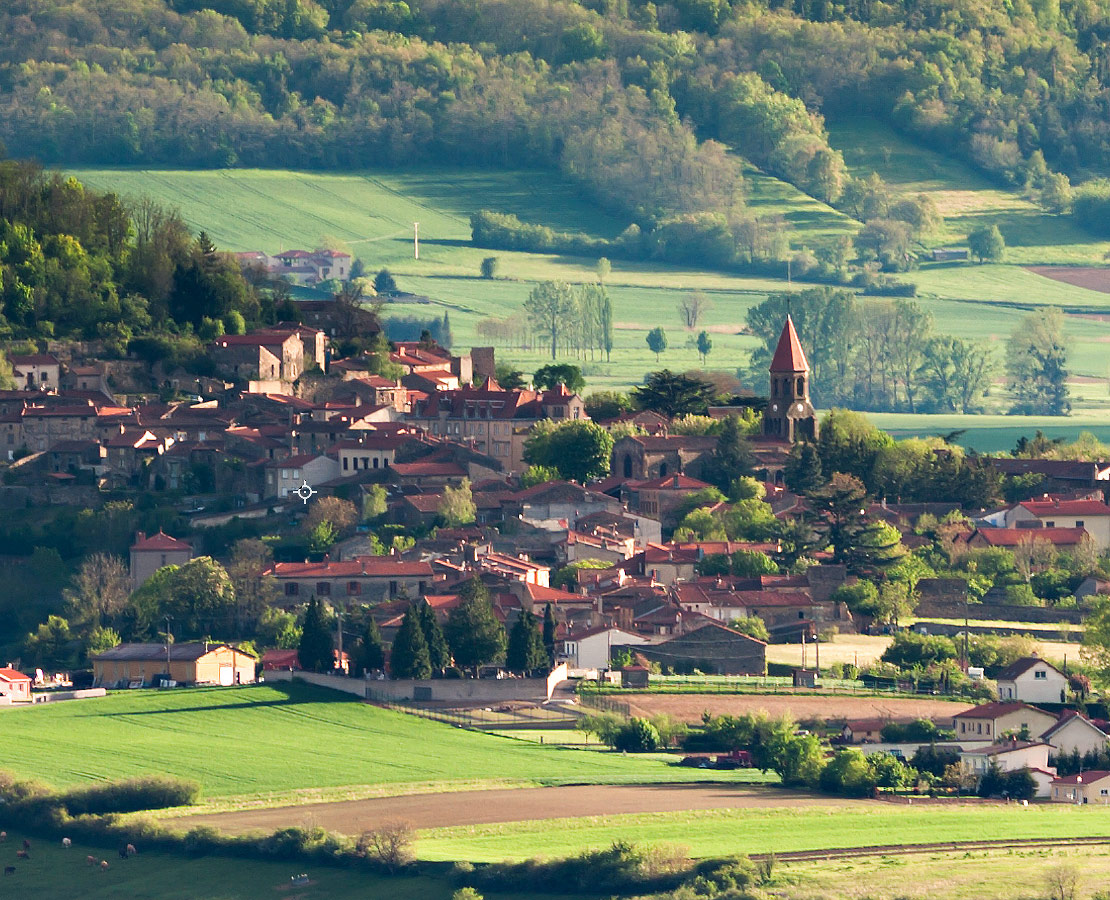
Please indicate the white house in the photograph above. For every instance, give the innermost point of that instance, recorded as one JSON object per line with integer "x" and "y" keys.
{"x": 285, "y": 476}
{"x": 1074, "y": 731}
{"x": 590, "y": 649}
{"x": 1011, "y": 756}
{"x": 1086, "y": 787}
{"x": 993, "y": 720}
{"x": 1051, "y": 512}
{"x": 1032, "y": 680}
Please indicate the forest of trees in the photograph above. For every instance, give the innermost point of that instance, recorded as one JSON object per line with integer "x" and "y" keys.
{"x": 629, "y": 98}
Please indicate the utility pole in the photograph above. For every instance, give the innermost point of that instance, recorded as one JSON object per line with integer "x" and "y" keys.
{"x": 169, "y": 640}
{"x": 416, "y": 240}
{"x": 339, "y": 633}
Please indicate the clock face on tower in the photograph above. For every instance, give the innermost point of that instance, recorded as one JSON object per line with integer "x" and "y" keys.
{"x": 800, "y": 408}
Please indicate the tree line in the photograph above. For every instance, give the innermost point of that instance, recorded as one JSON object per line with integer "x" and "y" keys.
{"x": 880, "y": 354}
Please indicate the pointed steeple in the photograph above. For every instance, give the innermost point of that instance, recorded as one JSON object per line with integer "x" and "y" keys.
{"x": 789, "y": 356}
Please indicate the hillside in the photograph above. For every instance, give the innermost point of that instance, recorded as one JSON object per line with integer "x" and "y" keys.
{"x": 290, "y": 742}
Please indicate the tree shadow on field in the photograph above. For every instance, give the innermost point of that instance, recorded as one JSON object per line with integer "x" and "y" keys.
{"x": 294, "y": 695}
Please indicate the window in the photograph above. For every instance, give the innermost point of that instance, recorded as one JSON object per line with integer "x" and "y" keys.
{"x": 1040, "y": 674}
{"x": 1050, "y": 524}
{"x": 163, "y": 559}
{"x": 323, "y": 589}
{"x": 988, "y": 727}
{"x": 354, "y": 588}
{"x": 393, "y": 588}
{"x": 1079, "y": 523}
{"x": 963, "y": 727}
{"x": 980, "y": 728}
{"x": 284, "y": 474}
{"x": 292, "y": 589}
{"x": 422, "y": 588}
{"x": 345, "y": 463}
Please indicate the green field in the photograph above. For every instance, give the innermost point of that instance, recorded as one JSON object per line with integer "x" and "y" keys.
{"x": 965, "y": 198}
{"x": 371, "y": 213}
{"x": 290, "y": 743}
{"x": 732, "y": 831}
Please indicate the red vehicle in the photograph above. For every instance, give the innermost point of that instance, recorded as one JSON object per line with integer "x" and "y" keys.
{"x": 737, "y": 759}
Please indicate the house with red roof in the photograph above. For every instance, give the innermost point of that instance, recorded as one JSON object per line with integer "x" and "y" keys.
{"x": 1090, "y": 787}
{"x": 1074, "y": 732}
{"x": 38, "y": 371}
{"x": 1017, "y": 537}
{"x": 1032, "y": 680}
{"x": 1011, "y": 756}
{"x": 14, "y": 686}
{"x": 306, "y": 267}
{"x": 660, "y": 497}
{"x": 990, "y": 721}
{"x": 368, "y": 579}
{"x": 149, "y": 554}
{"x": 1093, "y": 516}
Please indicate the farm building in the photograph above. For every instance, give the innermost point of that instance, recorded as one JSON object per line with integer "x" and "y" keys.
{"x": 194, "y": 662}
{"x": 14, "y": 685}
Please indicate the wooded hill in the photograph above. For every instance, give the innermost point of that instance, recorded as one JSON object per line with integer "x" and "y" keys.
{"x": 628, "y": 98}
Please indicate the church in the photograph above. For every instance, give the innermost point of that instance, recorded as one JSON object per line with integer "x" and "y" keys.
{"x": 790, "y": 416}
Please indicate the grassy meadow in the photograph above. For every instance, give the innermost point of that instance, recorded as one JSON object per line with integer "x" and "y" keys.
{"x": 371, "y": 214}
{"x": 294, "y": 743}
{"x": 731, "y": 831}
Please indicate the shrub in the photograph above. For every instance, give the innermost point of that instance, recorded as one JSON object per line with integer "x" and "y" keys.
{"x": 638, "y": 736}
{"x": 390, "y": 845}
{"x": 131, "y": 795}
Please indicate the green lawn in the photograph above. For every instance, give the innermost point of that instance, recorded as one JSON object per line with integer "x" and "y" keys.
{"x": 733, "y": 831}
{"x": 292, "y": 742}
{"x": 965, "y": 198}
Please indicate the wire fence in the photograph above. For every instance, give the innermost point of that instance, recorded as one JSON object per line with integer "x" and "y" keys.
{"x": 488, "y": 718}
{"x": 765, "y": 684}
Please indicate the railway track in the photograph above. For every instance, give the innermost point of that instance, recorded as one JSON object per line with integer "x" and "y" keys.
{"x": 834, "y": 853}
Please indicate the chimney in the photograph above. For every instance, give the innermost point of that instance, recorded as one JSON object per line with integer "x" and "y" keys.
{"x": 140, "y": 537}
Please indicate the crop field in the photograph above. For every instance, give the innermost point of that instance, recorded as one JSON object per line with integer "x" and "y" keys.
{"x": 966, "y": 199}
{"x": 726, "y": 832}
{"x": 291, "y": 743}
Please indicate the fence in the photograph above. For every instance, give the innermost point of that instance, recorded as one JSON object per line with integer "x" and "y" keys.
{"x": 590, "y": 692}
{"x": 483, "y": 718}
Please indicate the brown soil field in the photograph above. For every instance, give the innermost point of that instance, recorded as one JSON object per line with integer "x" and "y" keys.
{"x": 1090, "y": 277}
{"x": 483, "y": 807}
{"x": 689, "y": 707}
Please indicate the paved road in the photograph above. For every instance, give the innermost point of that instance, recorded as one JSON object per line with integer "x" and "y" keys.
{"x": 483, "y": 807}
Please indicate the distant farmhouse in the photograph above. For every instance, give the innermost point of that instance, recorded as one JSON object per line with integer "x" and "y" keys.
{"x": 304, "y": 267}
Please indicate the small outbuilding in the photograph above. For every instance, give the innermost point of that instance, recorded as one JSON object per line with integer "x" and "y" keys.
{"x": 194, "y": 662}
{"x": 14, "y": 686}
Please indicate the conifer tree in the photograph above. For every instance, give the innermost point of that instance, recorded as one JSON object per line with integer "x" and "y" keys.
{"x": 549, "y": 627}
{"x": 473, "y": 632}
{"x": 316, "y": 650}
{"x": 526, "y": 651}
{"x": 370, "y": 654}
{"x": 410, "y": 658}
{"x": 439, "y": 654}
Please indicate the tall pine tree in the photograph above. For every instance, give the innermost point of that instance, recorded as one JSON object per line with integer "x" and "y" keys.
{"x": 549, "y": 627}
{"x": 316, "y": 651}
{"x": 370, "y": 655}
{"x": 526, "y": 651}
{"x": 410, "y": 658}
{"x": 473, "y": 632}
{"x": 439, "y": 654}
{"x": 802, "y": 471}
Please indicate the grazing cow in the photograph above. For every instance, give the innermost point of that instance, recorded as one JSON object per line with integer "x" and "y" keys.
{"x": 9, "y": 870}
{"x": 131, "y": 851}
{"x": 22, "y": 854}
{"x": 3, "y": 836}
{"x": 90, "y": 860}
{"x": 26, "y": 844}
{"x": 67, "y": 843}
{"x": 103, "y": 864}
{"x": 123, "y": 853}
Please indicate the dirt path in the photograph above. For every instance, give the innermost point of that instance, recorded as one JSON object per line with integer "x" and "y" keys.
{"x": 689, "y": 707}
{"x": 483, "y": 807}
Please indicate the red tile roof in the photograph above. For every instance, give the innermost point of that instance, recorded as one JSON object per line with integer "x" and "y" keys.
{"x": 1012, "y": 537}
{"x": 159, "y": 541}
{"x": 993, "y": 710}
{"x": 1082, "y": 777}
{"x": 678, "y": 482}
{"x": 9, "y": 674}
{"x": 376, "y": 566}
{"x": 789, "y": 356}
{"x": 1042, "y": 508}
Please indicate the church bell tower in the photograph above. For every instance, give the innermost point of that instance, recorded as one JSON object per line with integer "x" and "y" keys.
{"x": 789, "y": 415}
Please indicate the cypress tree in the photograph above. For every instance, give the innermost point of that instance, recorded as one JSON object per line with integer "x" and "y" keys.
{"x": 439, "y": 654}
{"x": 371, "y": 653}
{"x": 526, "y": 651}
{"x": 473, "y": 632}
{"x": 549, "y": 627}
{"x": 409, "y": 658}
{"x": 802, "y": 471}
{"x": 316, "y": 650}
